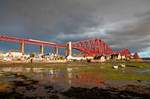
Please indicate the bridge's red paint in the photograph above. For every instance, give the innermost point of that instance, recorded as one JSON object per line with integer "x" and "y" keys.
{"x": 93, "y": 47}
{"x": 30, "y": 41}
{"x": 97, "y": 47}
{"x": 89, "y": 47}
{"x": 125, "y": 52}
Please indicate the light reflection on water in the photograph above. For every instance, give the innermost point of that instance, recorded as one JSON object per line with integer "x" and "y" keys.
{"x": 63, "y": 77}
{"x": 144, "y": 71}
{"x": 40, "y": 81}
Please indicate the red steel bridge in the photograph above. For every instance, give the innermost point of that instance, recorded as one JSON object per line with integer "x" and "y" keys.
{"x": 88, "y": 47}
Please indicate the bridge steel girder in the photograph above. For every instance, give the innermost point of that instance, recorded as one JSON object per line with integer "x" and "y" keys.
{"x": 93, "y": 47}
{"x": 90, "y": 46}
{"x": 97, "y": 47}
{"x": 31, "y": 41}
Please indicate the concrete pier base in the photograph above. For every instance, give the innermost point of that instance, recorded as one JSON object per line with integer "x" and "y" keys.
{"x": 56, "y": 51}
{"x": 21, "y": 47}
{"x": 42, "y": 49}
{"x": 69, "y": 50}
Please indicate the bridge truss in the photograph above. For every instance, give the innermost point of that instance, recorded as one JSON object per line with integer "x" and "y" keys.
{"x": 89, "y": 47}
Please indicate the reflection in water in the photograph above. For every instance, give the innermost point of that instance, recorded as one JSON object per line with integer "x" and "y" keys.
{"x": 87, "y": 79}
{"x": 145, "y": 71}
{"x": 69, "y": 71}
{"x": 68, "y": 76}
{"x": 46, "y": 82}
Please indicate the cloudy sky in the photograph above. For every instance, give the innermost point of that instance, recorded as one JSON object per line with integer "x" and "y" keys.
{"x": 120, "y": 23}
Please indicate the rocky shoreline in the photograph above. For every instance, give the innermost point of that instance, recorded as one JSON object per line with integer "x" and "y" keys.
{"x": 130, "y": 92}
{"x": 31, "y": 89}
{"x": 82, "y": 93}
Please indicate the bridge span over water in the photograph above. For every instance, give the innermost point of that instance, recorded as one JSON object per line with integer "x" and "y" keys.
{"x": 88, "y": 47}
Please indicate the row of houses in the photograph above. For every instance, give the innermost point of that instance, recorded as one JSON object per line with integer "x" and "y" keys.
{"x": 103, "y": 58}
{"x": 17, "y": 56}
{"x": 10, "y": 56}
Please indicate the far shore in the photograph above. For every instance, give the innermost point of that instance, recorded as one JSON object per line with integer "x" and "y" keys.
{"x": 60, "y": 63}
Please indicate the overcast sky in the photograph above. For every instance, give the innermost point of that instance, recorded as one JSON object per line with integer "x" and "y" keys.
{"x": 120, "y": 23}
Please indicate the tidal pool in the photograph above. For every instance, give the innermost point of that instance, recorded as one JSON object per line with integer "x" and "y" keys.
{"x": 66, "y": 76}
{"x": 65, "y": 83}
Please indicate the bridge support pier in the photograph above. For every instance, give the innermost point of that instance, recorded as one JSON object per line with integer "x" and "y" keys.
{"x": 56, "y": 51}
{"x": 21, "y": 47}
{"x": 69, "y": 49}
{"x": 42, "y": 49}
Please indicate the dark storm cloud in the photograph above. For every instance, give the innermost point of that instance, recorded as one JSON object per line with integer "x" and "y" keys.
{"x": 46, "y": 16}
{"x": 121, "y": 23}
{"x": 133, "y": 35}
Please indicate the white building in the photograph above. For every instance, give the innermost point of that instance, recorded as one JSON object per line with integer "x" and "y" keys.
{"x": 75, "y": 58}
{"x": 14, "y": 54}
